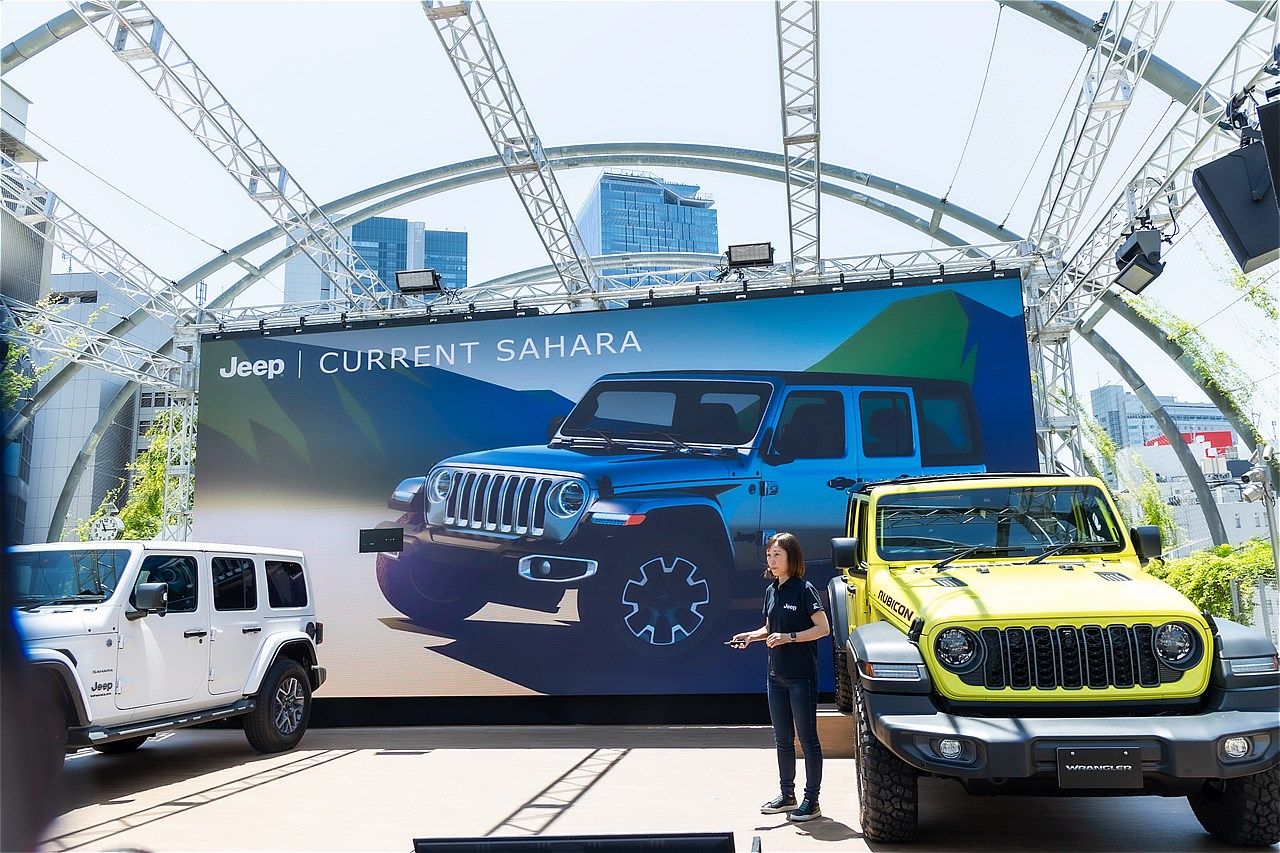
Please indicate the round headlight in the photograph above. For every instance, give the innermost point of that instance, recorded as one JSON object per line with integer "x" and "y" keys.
{"x": 957, "y": 649}
{"x": 1174, "y": 644}
{"x": 439, "y": 485}
{"x": 566, "y": 499}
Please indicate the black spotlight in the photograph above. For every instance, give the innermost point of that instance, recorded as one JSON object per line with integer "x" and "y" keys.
{"x": 1139, "y": 260}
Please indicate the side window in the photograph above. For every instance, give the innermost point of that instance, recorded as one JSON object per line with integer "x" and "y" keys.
{"x": 886, "y": 424}
{"x": 812, "y": 425}
{"x": 179, "y": 573}
{"x": 234, "y": 585}
{"x": 286, "y": 584}
{"x": 946, "y": 427}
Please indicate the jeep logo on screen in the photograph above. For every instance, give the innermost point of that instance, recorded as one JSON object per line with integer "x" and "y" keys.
{"x": 269, "y": 368}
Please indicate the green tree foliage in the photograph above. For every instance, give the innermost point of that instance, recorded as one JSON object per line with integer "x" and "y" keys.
{"x": 1205, "y": 576}
{"x": 20, "y": 373}
{"x": 141, "y": 512}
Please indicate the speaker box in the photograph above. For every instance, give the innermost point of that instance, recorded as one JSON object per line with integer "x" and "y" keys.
{"x": 1269, "y": 119}
{"x": 1238, "y": 193}
{"x": 685, "y": 842}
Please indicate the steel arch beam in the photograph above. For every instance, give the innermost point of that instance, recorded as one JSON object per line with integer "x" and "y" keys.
{"x": 1157, "y": 410}
{"x": 469, "y": 172}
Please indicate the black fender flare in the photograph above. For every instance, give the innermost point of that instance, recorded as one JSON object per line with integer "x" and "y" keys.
{"x": 54, "y": 669}
{"x": 882, "y": 642}
{"x": 838, "y": 595}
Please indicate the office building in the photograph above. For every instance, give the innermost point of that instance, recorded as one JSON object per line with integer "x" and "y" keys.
{"x": 638, "y": 212}
{"x": 388, "y": 245}
{"x": 1129, "y": 424}
{"x": 62, "y": 425}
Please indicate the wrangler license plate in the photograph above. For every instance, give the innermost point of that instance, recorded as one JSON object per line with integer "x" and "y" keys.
{"x": 1100, "y": 767}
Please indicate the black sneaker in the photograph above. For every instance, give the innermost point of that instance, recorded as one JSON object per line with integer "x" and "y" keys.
{"x": 779, "y": 804}
{"x": 808, "y": 811}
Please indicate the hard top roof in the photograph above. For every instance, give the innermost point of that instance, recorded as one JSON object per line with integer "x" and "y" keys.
{"x": 787, "y": 377}
{"x": 159, "y": 545}
{"x": 988, "y": 479}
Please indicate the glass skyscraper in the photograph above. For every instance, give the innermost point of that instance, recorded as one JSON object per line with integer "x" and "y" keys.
{"x": 388, "y": 245}
{"x": 639, "y": 212}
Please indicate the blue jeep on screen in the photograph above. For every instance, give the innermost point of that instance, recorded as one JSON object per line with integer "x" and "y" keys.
{"x": 655, "y": 496}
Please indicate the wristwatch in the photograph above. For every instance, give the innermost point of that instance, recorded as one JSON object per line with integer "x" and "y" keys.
{"x": 793, "y": 636}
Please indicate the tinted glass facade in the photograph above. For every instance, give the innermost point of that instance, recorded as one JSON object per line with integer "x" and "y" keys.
{"x": 388, "y": 245}
{"x": 446, "y": 253}
{"x": 643, "y": 213}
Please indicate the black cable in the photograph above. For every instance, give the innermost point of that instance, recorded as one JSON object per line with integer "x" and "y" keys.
{"x": 123, "y": 193}
{"x": 978, "y": 108}
{"x": 1066, "y": 98}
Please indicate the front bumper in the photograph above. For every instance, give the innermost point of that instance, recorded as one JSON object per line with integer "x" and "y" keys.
{"x": 1173, "y": 747}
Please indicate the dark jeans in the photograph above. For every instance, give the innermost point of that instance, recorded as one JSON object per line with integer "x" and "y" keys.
{"x": 793, "y": 708}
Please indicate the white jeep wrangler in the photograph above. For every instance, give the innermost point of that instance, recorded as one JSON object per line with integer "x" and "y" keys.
{"x": 130, "y": 639}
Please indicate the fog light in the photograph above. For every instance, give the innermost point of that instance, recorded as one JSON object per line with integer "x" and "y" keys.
{"x": 949, "y": 748}
{"x": 1236, "y": 747}
{"x": 545, "y": 567}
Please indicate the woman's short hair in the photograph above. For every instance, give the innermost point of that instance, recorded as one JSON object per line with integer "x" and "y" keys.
{"x": 795, "y": 557}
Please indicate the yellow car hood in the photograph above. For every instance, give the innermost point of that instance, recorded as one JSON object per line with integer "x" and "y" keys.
{"x": 1012, "y": 593}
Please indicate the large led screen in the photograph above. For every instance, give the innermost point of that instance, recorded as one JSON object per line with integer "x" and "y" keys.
{"x": 576, "y": 504}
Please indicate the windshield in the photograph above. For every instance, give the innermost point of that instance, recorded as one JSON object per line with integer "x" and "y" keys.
{"x": 681, "y": 411}
{"x": 1009, "y": 521}
{"x": 69, "y": 576}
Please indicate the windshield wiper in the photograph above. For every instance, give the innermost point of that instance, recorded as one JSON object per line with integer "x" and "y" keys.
{"x": 679, "y": 445}
{"x": 66, "y": 599}
{"x": 1067, "y": 546}
{"x": 976, "y": 549}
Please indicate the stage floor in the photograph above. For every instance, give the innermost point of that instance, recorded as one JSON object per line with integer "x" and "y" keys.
{"x": 377, "y": 789}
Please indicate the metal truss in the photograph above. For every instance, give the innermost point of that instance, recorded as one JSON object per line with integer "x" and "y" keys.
{"x": 179, "y": 452}
{"x": 37, "y": 207}
{"x": 141, "y": 42}
{"x": 797, "y": 26}
{"x": 49, "y": 332}
{"x": 1116, "y": 66}
{"x": 689, "y": 279}
{"x": 470, "y": 45}
{"x": 1052, "y": 385}
{"x": 1161, "y": 189}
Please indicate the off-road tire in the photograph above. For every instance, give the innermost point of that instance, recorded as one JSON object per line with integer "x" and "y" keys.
{"x": 603, "y": 607}
{"x": 888, "y": 793}
{"x": 844, "y": 684}
{"x": 1243, "y": 811}
{"x": 120, "y": 747}
{"x": 51, "y": 717}
{"x": 280, "y": 718}
{"x": 433, "y": 596}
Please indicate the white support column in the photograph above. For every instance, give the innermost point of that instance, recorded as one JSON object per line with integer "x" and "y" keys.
{"x": 472, "y": 49}
{"x": 797, "y": 27}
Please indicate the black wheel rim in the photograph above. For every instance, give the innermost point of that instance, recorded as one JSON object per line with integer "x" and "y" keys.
{"x": 288, "y": 705}
{"x": 664, "y": 601}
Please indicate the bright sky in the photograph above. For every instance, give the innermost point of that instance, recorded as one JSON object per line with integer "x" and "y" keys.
{"x": 351, "y": 94}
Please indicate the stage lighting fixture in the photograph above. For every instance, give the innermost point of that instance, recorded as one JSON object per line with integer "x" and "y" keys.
{"x": 1139, "y": 260}
{"x": 410, "y": 282}
{"x": 750, "y": 255}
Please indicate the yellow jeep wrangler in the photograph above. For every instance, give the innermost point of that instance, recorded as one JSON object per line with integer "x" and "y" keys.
{"x": 999, "y": 630}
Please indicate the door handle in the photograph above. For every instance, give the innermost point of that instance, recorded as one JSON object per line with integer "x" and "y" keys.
{"x": 195, "y": 633}
{"x": 256, "y": 629}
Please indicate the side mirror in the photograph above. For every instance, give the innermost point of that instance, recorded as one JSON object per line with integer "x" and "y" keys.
{"x": 771, "y": 453}
{"x": 1146, "y": 541}
{"x": 149, "y": 598}
{"x": 844, "y": 554}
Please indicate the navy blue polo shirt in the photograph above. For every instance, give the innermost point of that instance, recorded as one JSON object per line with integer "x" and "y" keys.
{"x": 790, "y": 607}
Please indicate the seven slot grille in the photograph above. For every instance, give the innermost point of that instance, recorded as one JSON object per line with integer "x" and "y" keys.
{"x": 1092, "y": 656}
{"x": 505, "y": 503}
